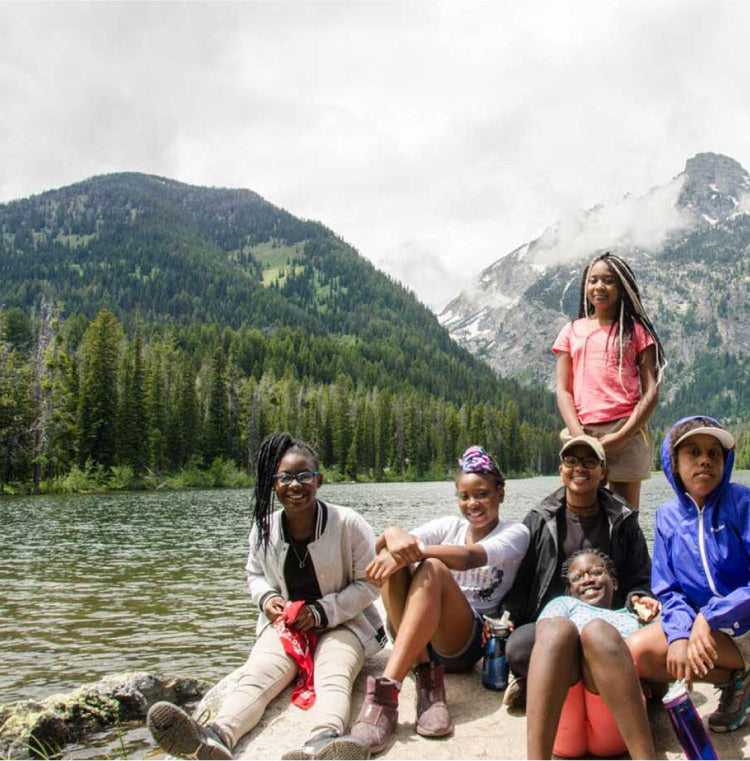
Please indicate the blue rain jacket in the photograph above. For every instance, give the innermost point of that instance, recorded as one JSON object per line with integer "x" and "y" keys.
{"x": 701, "y": 559}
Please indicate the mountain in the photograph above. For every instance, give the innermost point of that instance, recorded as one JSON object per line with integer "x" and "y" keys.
{"x": 184, "y": 255}
{"x": 688, "y": 242}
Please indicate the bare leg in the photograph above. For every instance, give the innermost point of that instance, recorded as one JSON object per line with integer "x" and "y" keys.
{"x": 649, "y": 649}
{"x": 555, "y": 666}
{"x": 435, "y": 610}
{"x": 609, "y": 670}
{"x": 630, "y": 491}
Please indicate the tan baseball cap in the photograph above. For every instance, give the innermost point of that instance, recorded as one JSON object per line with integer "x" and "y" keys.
{"x": 720, "y": 434}
{"x": 587, "y": 441}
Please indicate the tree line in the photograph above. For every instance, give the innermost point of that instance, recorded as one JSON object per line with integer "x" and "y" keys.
{"x": 90, "y": 400}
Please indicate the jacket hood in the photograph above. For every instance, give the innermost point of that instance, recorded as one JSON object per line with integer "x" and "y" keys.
{"x": 666, "y": 464}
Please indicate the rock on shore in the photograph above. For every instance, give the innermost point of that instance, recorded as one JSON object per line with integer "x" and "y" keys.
{"x": 30, "y": 728}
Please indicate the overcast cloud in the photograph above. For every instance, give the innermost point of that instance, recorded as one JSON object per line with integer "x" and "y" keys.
{"x": 434, "y": 137}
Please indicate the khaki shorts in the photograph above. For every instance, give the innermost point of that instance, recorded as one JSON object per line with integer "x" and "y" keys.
{"x": 633, "y": 461}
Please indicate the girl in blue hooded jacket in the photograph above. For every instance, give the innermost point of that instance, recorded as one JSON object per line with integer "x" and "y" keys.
{"x": 701, "y": 572}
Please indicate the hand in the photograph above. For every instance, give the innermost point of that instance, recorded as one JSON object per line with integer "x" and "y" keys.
{"x": 646, "y": 608}
{"x": 405, "y": 547}
{"x": 678, "y": 665}
{"x": 381, "y": 567}
{"x": 273, "y": 607}
{"x": 701, "y": 650}
{"x": 305, "y": 619}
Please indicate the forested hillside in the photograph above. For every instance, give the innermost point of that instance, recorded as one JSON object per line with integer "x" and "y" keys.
{"x": 151, "y": 328}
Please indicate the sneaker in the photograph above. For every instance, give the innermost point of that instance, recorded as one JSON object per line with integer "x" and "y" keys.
{"x": 179, "y": 735}
{"x": 377, "y": 720}
{"x": 733, "y": 703}
{"x": 433, "y": 719}
{"x": 330, "y": 745}
{"x": 514, "y": 698}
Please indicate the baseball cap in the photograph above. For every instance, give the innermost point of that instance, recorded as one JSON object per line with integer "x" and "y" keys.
{"x": 588, "y": 441}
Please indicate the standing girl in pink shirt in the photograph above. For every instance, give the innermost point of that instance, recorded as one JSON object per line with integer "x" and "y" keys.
{"x": 609, "y": 368}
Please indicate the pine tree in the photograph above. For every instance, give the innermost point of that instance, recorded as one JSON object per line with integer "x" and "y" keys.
{"x": 134, "y": 433}
{"x": 217, "y": 419}
{"x": 97, "y": 408}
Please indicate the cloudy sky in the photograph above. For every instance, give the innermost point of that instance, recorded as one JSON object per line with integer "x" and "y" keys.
{"x": 434, "y": 137}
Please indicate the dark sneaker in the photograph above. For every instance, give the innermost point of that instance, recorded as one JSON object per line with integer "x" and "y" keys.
{"x": 332, "y": 746}
{"x": 433, "y": 719}
{"x": 514, "y": 698}
{"x": 377, "y": 720}
{"x": 733, "y": 703}
{"x": 179, "y": 735}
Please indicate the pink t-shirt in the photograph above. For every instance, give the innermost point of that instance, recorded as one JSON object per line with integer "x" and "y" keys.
{"x": 600, "y": 393}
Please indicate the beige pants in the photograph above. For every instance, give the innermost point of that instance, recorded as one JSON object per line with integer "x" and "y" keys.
{"x": 338, "y": 659}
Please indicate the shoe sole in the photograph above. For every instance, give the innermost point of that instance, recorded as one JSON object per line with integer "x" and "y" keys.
{"x": 175, "y": 733}
{"x": 435, "y": 732}
{"x": 728, "y": 727}
{"x": 337, "y": 748}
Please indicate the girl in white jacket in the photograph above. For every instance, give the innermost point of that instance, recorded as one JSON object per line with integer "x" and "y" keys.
{"x": 312, "y": 553}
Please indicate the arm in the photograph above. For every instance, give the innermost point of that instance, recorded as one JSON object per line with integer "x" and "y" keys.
{"x": 564, "y": 392}
{"x": 353, "y": 598}
{"x": 635, "y": 571}
{"x": 266, "y": 595}
{"x": 645, "y": 407}
{"x": 678, "y": 614}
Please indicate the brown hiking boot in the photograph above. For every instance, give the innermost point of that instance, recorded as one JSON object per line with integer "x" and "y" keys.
{"x": 433, "y": 719}
{"x": 379, "y": 714}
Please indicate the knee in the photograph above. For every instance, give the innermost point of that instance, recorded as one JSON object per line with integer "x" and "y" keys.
{"x": 518, "y": 649}
{"x": 556, "y": 634}
{"x": 601, "y": 638}
{"x": 431, "y": 569}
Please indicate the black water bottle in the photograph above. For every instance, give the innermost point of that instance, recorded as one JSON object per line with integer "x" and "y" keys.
{"x": 495, "y": 666}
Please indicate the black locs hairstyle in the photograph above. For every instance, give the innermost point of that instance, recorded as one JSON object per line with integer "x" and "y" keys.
{"x": 270, "y": 452}
{"x": 631, "y": 307}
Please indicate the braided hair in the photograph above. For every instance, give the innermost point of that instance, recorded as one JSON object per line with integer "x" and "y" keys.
{"x": 631, "y": 308}
{"x": 270, "y": 452}
{"x": 609, "y": 564}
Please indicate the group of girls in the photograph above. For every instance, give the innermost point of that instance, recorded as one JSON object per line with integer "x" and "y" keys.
{"x": 315, "y": 569}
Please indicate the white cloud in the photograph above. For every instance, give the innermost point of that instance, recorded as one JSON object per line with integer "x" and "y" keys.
{"x": 435, "y": 137}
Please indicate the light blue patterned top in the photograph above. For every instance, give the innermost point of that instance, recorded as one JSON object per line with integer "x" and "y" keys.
{"x": 580, "y": 613}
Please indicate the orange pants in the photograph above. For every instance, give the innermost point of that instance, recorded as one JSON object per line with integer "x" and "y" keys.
{"x": 587, "y": 727}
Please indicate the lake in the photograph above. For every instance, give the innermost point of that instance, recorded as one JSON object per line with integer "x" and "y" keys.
{"x": 94, "y": 584}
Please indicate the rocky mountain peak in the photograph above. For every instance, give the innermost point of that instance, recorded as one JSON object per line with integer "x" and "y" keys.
{"x": 714, "y": 186}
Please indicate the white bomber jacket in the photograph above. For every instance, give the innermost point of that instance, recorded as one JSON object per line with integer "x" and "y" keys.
{"x": 340, "y": 554}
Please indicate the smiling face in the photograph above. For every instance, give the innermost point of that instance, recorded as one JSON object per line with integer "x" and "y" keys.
{"x": 479, "y": 499}
{"x": 590, "y": 581}
{"x": 581, "y": 481}
{"x": 295, "y": 497}
{"x": 700, "y": 465}
{"x": 601, "y": 289}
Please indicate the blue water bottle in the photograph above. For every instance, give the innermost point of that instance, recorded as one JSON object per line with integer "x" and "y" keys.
{"x": 495, "y": 666}
{"x": 687, "y": 724}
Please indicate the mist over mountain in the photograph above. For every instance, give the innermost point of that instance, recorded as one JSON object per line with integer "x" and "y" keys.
{"x": 688, "y": 242}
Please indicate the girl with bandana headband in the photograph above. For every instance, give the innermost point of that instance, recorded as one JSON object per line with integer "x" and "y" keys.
{"x": 465, "y": 564}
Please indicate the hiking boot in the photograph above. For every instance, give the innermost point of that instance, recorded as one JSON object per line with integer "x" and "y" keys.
{"x": 433, "y": 719}
{"x": 379, "y": 714}
{"x": 329, "y": 744}
{"x": 733, "y": 703}
{"x": 179, "y": 735}
{"x": 514, "y": 698}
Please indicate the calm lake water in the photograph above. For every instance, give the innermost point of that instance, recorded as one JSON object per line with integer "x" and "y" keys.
{"x": 95, "y": 584}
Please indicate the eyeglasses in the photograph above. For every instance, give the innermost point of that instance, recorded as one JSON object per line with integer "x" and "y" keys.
{"x": 303, "y": 477}
{"x": 596, "y": 572}
{"x": 571, "y": 460}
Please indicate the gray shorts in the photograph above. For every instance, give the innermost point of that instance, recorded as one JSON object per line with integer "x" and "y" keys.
{"x": 742, "y": 643}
